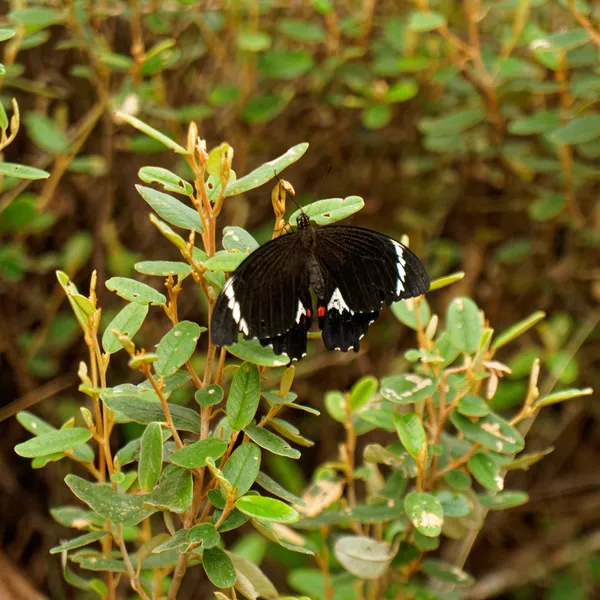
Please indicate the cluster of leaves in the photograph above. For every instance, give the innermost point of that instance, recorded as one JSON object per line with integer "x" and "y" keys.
{"x": 201, "y": 472}
{"x": 473, "y": 80}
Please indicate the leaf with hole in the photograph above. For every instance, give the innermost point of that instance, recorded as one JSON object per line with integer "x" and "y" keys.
{"x": 323, "y": 212}
{"x": 135, "y": 291}
{"x": 425, "y": 513}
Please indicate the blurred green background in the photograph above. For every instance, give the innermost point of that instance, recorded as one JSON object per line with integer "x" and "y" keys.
{"x": 472, "y": 126}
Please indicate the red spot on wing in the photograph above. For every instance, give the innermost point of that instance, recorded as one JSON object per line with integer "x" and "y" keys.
{"x": 308, "y": 313}
{"x": 321, "y": 311}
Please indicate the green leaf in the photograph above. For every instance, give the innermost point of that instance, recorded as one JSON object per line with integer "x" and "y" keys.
{"x": 169, "y": 181}
{"x": 167, "y": 232}
{"x": 151, "y": 456}
{"x": 454, "y": 505}
{"x": 6, "y": 33}
{"x": 406, "y": 312}
{"x": 205, "y": 534}
{"x": 45, "y": 134}
{"x": 222, "y": 95}
{"x": 225, "y": 261}
{"x": 517, "y": 329}
{"x": 452, "y": 123}
{"x": 302, "y": 31}
{"x": 174, "y": 492}
{"x": 473, "y": 406}
{"x": 252, "y": 351}
{"x": 401, "y": 91}
{"x": 224, "y": 483}
{"x": 79, "y": 542}
{"x": 164, "y": 268}
{"x": 442, "y": 282}
{"x": 406, "y": 389}
{"x": 362, "y": 391}
{"x": 21, "y": 171}
{"x": 52, "y": 442}
{"x": 177, "y": 347}
{"x": 539, "y": 122}
{"x": 253, "y": 41}
{"x": 547, "y": 206}
{"x": 100, "y": 563}
{"x": 486, "y": 471}
{"x": 171, "y": 210}
{"x": 195, "y": 455}
{"x": 362, "y": 556}
{"x": 503, "y": 500}
{"x": 262, "y": 109}
{"x": 266, "y": 172}
{"x": 562, "y": 396}
{"x": 34, "y": 424}
{"x": 151, "y": 132}
{"x": 271, "y": 442}
{"x": 146, "y": 412}
{"x": 247, "y": 570}
{"x": 242, "y": 467}
{"x": 276, "y": 489}
{"x": 568, "y": 40}
{"x": 425, "y": 513}
{"x": 238, "y": 239}
{"x": 420, "y": 20}
{"x": 465, "y": 325}
{"x": 524, "y": 461}
{"x": 35, "y": 17}
{"x": 114, "y": 506}
{"x": 219, "y": 568}
{"x": 210, "y": 395}
{"x": 491, "y": 431}
{"x": 285, "y": 64}
{"x": 128, "y": 322}
{"x": 323, "y": 212}
{"x": 244, "y": 396}
{"x": 577, "y": 131}
{"x": 135, "y": 291}
{"x": 411, "y": 433}
{"x": 376, "y": 116}
{"x": 267, "y": 509}
{"x": 446, "y": 572}
{"x": 458, "y": 479}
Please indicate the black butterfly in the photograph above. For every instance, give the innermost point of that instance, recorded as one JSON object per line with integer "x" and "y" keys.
{"x": 352, "y": 271}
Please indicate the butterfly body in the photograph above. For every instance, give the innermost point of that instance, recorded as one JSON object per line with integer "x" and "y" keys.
{"x": 353, "y": 271}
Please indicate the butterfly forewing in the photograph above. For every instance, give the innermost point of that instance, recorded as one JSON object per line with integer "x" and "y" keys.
{"x": 266, "y": 295}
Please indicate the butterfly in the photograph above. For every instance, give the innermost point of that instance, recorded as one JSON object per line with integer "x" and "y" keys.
{"x": 353, "y": 271}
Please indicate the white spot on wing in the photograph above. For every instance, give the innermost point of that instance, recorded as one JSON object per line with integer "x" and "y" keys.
{"x": 400, "y": 266}
{"x": 336, "y": 302}
{"x": 301, "y": 311}
{"x": 243, "y": 326}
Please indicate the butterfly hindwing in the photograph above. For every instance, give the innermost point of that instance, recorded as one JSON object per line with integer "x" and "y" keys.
{"x": 362, "y": 269}
{"x": 267, "y": 297}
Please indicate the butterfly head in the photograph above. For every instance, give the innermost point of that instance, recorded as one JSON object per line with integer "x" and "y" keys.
{"x": 303, "y": 222}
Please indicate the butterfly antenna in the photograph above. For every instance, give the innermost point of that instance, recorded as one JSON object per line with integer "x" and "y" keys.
{"x": 321, "y": 185}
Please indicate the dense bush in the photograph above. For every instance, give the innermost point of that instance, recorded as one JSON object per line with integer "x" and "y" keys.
{"x": 472, "y": 125}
